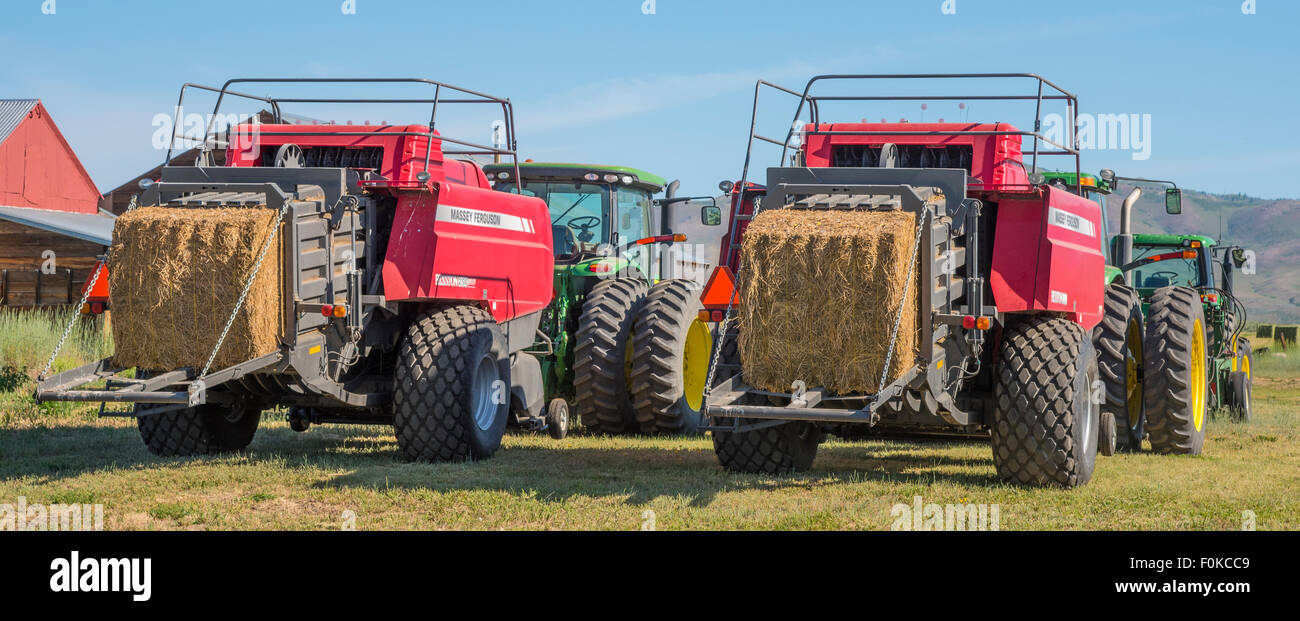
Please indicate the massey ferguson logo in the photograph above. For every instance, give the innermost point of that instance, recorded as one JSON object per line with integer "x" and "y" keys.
{"x": 1067, "y": 220}
{"x": 480, "y": 218}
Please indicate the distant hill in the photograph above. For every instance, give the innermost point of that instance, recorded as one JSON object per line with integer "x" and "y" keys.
{"x": 1269, "y": 227}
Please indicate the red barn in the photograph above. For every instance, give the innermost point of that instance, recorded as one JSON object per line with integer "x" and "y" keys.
{"x": 51, "y": 228}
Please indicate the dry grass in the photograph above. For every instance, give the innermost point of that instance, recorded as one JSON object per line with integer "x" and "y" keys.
{"x": 174, "y": 277}
{"x": 819, "y": 295}
{"x": 59, "y": 453}
{"x": 319, "y": 479}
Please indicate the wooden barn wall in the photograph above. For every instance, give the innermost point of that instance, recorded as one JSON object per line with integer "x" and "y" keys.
{"x": 20, "y": 263}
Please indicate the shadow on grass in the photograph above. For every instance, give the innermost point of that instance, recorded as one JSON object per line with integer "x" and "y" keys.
{"x": 636, "y": 469}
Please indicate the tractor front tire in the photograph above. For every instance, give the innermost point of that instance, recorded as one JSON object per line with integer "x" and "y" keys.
{"x": 1118, "y": 339}
{"x": 602, "y": 356}
{"x": 771, "y": 450}
{"x": 1240, "y": 384}
{"x": 1046, "y": 421}
{"x": 452, "y": 393}
{"x": 1176, "y": 372}
{"x": 670, "y": 359}
{"x": 208, "y": 429}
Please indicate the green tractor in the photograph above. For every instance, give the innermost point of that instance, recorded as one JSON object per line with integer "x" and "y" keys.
{"x": 622, "y": 341}
{"x": 1170, "y": 345}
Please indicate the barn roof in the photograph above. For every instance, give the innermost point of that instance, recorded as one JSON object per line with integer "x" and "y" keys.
{"x": 94, "y": 228}
{"x": 12, "y": 113}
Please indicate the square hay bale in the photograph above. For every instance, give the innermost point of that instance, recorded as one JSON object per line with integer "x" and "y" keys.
{"x": 819, "y": 292}
{"x": 175, "y": 275}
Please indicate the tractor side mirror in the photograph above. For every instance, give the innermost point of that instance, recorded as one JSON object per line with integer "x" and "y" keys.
{"x": 711, "y": 215}
{"x": 1173, "y": 201}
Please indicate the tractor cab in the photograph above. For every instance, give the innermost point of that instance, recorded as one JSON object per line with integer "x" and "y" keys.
{"x": 603, "y": 218}
{"x": 1171, "y": 261}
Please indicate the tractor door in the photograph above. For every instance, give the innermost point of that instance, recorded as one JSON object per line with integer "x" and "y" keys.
{"x": 704, "y": 224}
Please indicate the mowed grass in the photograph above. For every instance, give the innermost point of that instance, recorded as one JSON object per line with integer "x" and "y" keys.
{"x": 334, "y": 477}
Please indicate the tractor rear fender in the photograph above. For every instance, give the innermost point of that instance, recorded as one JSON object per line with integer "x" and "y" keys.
{"x": 458, "y": 242}
{"x": 1047, "y": 256}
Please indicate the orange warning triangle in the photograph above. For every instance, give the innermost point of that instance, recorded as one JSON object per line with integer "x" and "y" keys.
{"x": 718, "y": 292}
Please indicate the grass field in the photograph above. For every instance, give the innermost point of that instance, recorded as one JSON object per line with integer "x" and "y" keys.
{"x": 332, "y": 477}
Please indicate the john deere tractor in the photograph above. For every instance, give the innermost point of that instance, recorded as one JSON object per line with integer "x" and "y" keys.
{"x": 622, "y": 339}
{"x": 1170, "y": 347}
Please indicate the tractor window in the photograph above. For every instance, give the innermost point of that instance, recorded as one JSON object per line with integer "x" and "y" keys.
{"x": 633, "y": 224}
{"x": 1100, "y": 199}
{"x": 577, "y": 214}
{"x": 1170, "y": 272}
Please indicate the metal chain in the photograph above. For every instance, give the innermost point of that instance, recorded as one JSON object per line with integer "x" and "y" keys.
{"x": 76, "y": 313}
{"x": 248, "y": 285}
{"x": 898, "y": 320}
{"x": 85, "y": 295}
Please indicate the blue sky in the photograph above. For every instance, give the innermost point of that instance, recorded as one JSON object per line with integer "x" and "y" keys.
{"x": 602, "y": 81}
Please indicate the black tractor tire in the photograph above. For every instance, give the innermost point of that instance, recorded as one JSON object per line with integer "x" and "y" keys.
{"x": 451, "y": 397}
{"x": 1119, "y": 341}
{"x": 601, "y": 369}
{"x": 1240, "y": 384}
{"x": 1046, "y": 421}
{"x": 557, "y": 418}
{"x": 782, "y": 449}
{"x": 1176, "y": 401}
{"x": 208, "y": 429}
{"x": 670, "y": 358}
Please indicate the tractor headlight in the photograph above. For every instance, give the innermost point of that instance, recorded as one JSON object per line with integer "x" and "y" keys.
{"x": 591, "y": 177}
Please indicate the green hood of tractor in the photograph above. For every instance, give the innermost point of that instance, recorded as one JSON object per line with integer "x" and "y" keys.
{"x": 1090, "y": 181}
{"x": 553, "y": 170}
{"x": 1161, "y": 239}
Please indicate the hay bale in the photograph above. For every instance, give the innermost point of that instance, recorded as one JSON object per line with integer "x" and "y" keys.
{"x": 174, "y": 277}
{"x": 819, "y": 291}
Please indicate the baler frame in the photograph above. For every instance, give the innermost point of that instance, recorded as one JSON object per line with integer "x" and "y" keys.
{"x": 938, "y": 317}
{"x": 466, "y": 96}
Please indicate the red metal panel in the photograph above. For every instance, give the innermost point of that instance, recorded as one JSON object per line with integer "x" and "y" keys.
{"x": 1047, "y": 257}
{"x": 403, "y": 155}
{"x": 467, "y": 243}
{"x": 995, "y": 160}
{"x": 39, "y": 170}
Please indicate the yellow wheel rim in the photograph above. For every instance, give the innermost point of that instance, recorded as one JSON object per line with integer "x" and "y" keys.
{"x": 695, "y": 363}
{"x": 1198, "y": 382}
{"x": 1245, "y": 366}
{"x": 1132, "y": 364}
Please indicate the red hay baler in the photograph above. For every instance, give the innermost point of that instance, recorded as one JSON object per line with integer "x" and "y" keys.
{"x": 1010, "y": 272}
{"x": 410, "y": 288}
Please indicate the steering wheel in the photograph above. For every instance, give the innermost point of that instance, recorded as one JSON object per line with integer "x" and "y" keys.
{"x": 584, "y": 225}
{"x": 1168, "y": 274}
